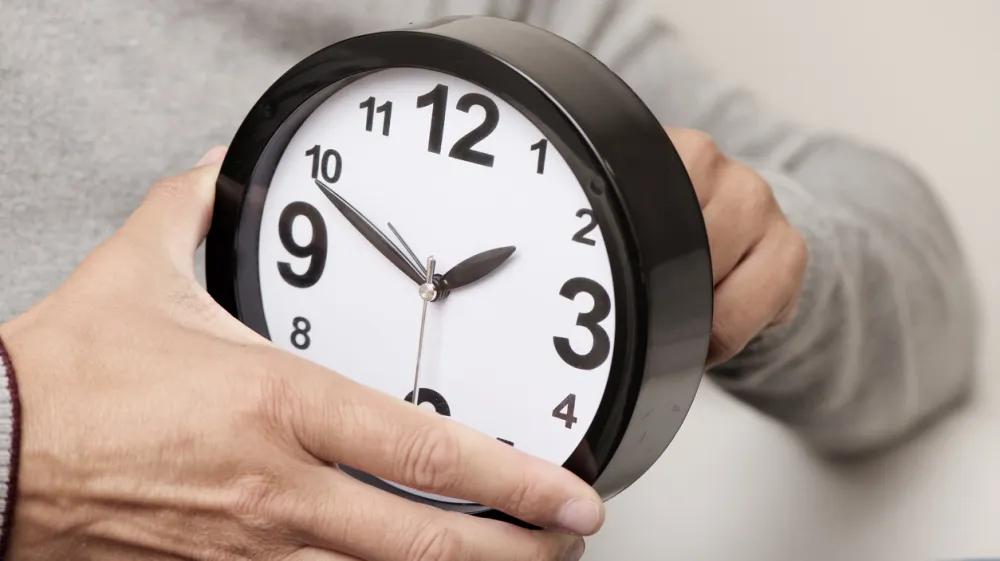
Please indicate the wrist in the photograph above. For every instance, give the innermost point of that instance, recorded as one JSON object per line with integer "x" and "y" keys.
{"x": 10, "y": 441}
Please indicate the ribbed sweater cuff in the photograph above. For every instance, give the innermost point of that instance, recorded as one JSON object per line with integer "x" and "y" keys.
{"x": 10, "y": 433}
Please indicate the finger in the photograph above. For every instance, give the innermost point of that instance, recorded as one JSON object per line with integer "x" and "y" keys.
{"x": 312, "y": 554}
{"x": 177, "y": 211}
{"x": 737, "y": 217}
{"x": 340, "y": 513}
{"x": 757, "y": 293}
{"x": 702, "y": 159}
{"x": 392, "y": 439}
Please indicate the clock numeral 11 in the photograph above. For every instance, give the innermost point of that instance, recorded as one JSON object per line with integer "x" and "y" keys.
{"x": 385, "y": 108}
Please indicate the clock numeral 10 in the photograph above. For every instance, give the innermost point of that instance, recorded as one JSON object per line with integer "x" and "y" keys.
{"x": 322, "y": 161}
{"x": 566, "y": 410}
{"x": 385, "y": 108}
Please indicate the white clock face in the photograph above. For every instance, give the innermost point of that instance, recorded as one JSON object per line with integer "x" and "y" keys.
{"x": 522, "y": 355}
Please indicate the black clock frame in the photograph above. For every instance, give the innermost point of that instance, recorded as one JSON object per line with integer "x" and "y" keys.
{"x": 641, "y": 194}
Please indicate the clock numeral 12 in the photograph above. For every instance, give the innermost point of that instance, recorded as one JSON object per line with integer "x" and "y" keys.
{"x": 437, "y": 100}
{"x": 385, "y": 108}
{"x": 315, "y": 250}
{"x": 565, "y": 411}
{"x": 321, "y": 160}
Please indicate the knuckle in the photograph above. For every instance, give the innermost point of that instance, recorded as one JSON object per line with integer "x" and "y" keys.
{"x": 726, "y": 340}
{"x": 436, "y": 542}
{"x": 698, "y": 148}
{"x": 522, "y": 498}
{"x": 256, "y": 502}
{"x": 176, "y": 188}
{"x": 430, "y": 459}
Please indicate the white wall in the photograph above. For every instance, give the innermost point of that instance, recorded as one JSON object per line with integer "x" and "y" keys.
{"x": 923, "y": 78}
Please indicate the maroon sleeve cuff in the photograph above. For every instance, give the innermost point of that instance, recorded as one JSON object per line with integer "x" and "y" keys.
{"x": 10, "y": 436}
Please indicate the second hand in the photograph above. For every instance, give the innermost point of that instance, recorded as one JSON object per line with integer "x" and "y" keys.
{"x": 427, "y": 294}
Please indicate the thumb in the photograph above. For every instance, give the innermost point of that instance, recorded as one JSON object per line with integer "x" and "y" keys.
{"x": 175, "y": 215}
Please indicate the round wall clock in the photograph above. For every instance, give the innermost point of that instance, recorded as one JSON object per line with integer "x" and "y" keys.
{"x": 479, "y": 217}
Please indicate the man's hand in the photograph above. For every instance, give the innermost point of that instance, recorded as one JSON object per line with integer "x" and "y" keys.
{"x": 155, "y": 426}
{"x": 758, "y": 257}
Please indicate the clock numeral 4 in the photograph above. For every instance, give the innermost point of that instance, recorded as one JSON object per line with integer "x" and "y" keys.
{"x": 464, "y": 148}
{"x": 581, "y": 235}
{"x": 315, "y": 250}
{"x": 384, "y": 109}
{"x": 327, "y": 163}
{"x": 300, "y": 335}
{"x": 565, "y": 411}
{"x": 591, "y": 321}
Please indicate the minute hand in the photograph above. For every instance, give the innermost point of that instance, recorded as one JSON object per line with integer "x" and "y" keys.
{"x": 372, "y": 234}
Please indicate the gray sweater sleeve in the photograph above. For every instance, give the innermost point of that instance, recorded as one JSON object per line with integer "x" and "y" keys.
{"x": 887, "y": 335}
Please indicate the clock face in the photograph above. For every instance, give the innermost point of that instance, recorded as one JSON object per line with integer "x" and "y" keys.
{"x": 523, "y": 355}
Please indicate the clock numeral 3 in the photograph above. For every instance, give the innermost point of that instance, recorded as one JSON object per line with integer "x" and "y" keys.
{"x": 427, "y": 395}
{"x": 601, "y": 347}
{"x": 581, "y": 236}
{"x": 321, "y": 161}
{"x": 385, "y": 108}
{"x": 565, "y": 411}
{"x": 437, "y": 100}
{"x": 315, "y": 250}
{"x": 300, "y": 336}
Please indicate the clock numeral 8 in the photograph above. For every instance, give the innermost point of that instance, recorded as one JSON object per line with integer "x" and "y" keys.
{"x": 315, "y": 250}
{"x": 591, "y": 321}
{"x": 300, "y": 337}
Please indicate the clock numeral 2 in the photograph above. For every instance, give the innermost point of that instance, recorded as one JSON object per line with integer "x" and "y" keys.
{"x": 385, "y": 108}
{"x": 321, "y": 160}
{"x": 581, "y": 236}
{"x": 464, "y": 149}
{"x": 565, "y": 411}
{"x": 601, "y": 347}
{"x": 315, "y": 250}
{"x": 300, "y": 336}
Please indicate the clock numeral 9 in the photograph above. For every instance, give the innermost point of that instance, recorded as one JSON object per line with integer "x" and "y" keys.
{"x": 300, "y": 335}
{"x": 315, "y": 250}
{"x": 565, "y": 411}
{"x": 321, "y": 161}
{"x": 601, "y": 347}
{"x": 437, "y": 100}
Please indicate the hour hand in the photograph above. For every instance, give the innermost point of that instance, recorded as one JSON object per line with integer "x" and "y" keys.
{"x": 372, "y": 234}
{"x": 475, "y": 268}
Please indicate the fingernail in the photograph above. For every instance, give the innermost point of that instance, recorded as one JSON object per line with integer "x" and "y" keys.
{"x": 580, "y": 517}
{"x": 575, "y": 552}
{"x": 213, "y": 156}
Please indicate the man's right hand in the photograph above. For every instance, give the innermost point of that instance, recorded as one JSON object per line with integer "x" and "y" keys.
{"x": 156, "y": 426}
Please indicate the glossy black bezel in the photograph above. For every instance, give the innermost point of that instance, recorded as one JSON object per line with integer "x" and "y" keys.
{"x": 640, "y": 192}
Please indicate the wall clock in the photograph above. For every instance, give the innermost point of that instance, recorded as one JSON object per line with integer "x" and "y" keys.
{"x": 479, "y": 217}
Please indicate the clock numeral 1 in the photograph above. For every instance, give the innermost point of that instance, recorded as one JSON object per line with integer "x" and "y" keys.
{"x": 427, "y": 395}
{"x": 321, "y": 162}
{"x": 385, "y": 108}
{"x": 601, "y": 347}
{"x": 581, "y": 236}
{"x": 464, "y": 148}
{"x": 542, "y": 146}
{"x": 565, "y": 411}
{"x": 315, "y": 250}
{"x": 300, "y": 336}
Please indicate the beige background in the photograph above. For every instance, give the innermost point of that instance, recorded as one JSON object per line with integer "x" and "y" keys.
{"x": 921, "y": 77}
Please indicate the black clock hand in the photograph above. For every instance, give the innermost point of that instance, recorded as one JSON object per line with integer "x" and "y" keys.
{"x": 475, "y": 268}
{"x": 372, "y": 234}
